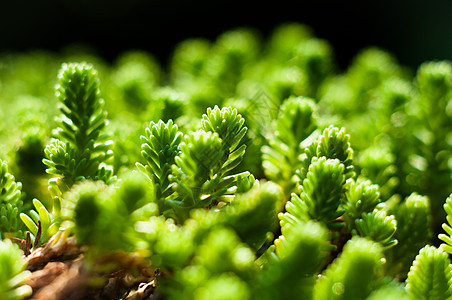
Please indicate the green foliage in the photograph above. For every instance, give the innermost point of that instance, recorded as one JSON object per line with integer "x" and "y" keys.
{"x": 430, "y": 160}
{"x": 200, "y": 159}
{"x": 245, "y": 182}
{"x": 378, "y": 227}
{"x": 254, "y": 214}
{"x": 10, "y": 203}
{"x": 370, "y": 68}
{"x": 378, "y": 164}
{"x": 225, "y": 287}
{"x": 197, "y": 166}
{"x": 286, "y": 37}
{"x": 210, "y": 244}
{"x": 41, "y": 220}
{"x": 80, "y": 149}
{"x": 219, "y": 254}
{"x": 434, "y": 81}
{"x": 430, "y": 276}
{"x": 12, "y": 272}
{"x": 360, "y": 198}
{"x": 169, "y": 104}
{"x": 26, "y": 158}
{"x": 134, "y": 193}
{"x": 300, "y": 254}
{"x": 333, "y": 143}
{"x": 189, "y": 61}
{"x": 103, "y": 217}
{"x": 447, "y": 238}
{"x": 315, "y": 59}
{"x": 223, "y": 265}
{"x": 389, "y": 293}
{"x": 413, "y": 232}
{"x": 203, "y": 210}
{"x": 135, "y": 75}
{"x": 171, "y": 246}
{"x": 232, "y": 52}
{"x": 160, "y": 147}
{"x": 222, "y": 252}
{"x": 200, "y": 173}
{"x": 80, "y": 132}
{"x": 295, "y": 123}
{"x": 352, "y": 274}
{"x": 320, "y": 194}
{"x": 94, "y": 211}
{"x": 229, "y": 126}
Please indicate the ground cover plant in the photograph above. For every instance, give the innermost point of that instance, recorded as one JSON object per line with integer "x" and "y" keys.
{"x": 250, "y": 168}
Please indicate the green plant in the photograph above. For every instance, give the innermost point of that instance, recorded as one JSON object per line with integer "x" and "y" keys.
{"x": 79, "y": 149}
{"x": 13, "y": 274}
{"x": 197, "y": 166}
{"x": 254, "y": 214}
{"x": 159, "y": 149}
{"x": 352, "y": 275}
{"x": 265, "y": 173}
{"x": 378, "y": 227}
{"x": 295, "y": 123}
{"x": 299, "y": 256}
{"x": 360, "y": 198}
{"x": 434, "y": 82}
{"x": 413, "y": 232}
{"x": 10, "y": 203}
{"x": 430, "y": 275}
{"x": 320, "y": 194}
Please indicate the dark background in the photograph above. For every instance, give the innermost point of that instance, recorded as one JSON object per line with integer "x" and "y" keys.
{"x": 415, "y": 30}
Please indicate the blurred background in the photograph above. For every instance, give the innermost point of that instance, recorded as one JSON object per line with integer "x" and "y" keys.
{"x": 413, "y": 30}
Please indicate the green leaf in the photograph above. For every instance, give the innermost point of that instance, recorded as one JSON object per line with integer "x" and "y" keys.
{"x": 430, "y": 276}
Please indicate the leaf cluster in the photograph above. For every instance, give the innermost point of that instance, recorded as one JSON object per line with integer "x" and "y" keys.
{"x": 263, "y": 171}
